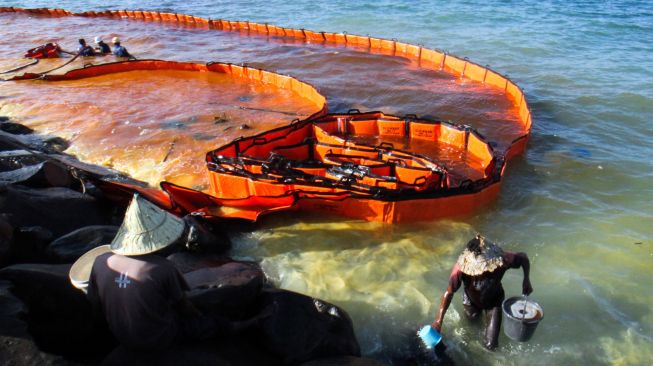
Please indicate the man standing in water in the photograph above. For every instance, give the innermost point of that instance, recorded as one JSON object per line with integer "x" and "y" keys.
{"x": 480, "y": 269}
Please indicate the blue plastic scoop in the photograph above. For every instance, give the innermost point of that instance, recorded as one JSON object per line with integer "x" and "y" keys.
{"x": 429, "y": 336}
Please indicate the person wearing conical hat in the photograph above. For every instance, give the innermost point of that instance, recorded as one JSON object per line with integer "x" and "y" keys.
{"x": 479, "y": 269}
{"x": 141, "y": 293}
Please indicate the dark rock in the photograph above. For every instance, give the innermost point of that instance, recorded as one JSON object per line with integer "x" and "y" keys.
{"x": 55, "y": 144}
{"x": 6, "y": 240}
{"x": 16, "y": 159}
{"x": 4, "y": 119}
{"x": 60, "y": 318}
{"x": 29, "y": 244}
{"x": 202, "y": 237}
{"x": 12, "y": 310}
{"x": 244, "y": 127}
{"x": 15, "y": 128}
{"x": 43, "y": 175}
{"x": 188, "y": 262}
{"x": 230, "y": 290}
{"x": 303, "y": 328}
{"x": 19, "y": 351}
{"x": 343, "y": 361}
{"x": 68, "y": 248}
{"x": 60, "y": 210}
{"x": 236, "y": 351}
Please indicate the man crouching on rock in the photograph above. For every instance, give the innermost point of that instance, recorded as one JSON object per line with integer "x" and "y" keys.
{"x": 141, "y": 294}
{"x": 480, "y": 269}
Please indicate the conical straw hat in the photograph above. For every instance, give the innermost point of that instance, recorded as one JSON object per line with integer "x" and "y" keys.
{"x": 146, "y": 229}
{"x": 488, "y": 258}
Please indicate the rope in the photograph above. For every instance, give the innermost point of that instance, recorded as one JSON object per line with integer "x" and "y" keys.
{"x": 58, "y": 67}
{"x": 34, "y": 62}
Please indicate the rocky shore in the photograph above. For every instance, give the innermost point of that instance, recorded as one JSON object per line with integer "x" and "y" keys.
{"x": 50, "y": 215}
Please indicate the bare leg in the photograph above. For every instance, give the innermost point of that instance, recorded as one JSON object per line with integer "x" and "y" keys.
{"x": 493, "y": 326}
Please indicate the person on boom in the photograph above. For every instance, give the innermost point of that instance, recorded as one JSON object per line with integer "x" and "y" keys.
{"x": 479, "y": 269}
{"x": 119, "y": 50}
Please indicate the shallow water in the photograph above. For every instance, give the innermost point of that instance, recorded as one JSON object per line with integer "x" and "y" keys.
{"x": 579, "y": 201}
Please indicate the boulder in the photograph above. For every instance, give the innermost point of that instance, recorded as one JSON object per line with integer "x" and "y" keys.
{"x": 69, "y": 247}
{"x": 29, "y": 244}
{"x": 42, "y": 175}
{"x": 16, "y": 159}
{"x": 60, "y": 210}
{"x": 19, "y": 351}
{"x": 344, "y": 361}
{"x": 236, "y": 351}
{"x": 54, "y": 144}
{"x": 230, "y": 290}
{"x": 202, "y": 237}
{"x": 6, "y": 239}
{"x": 303, "y": 328}
{"x": 59, "y": 316}
{"x": 15, "y": 128}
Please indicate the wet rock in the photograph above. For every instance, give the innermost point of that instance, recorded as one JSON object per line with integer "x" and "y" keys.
{"x": 11, "y": 312}
{"x": 16, "y": 159}
{"x": 43, "y": 175}
{"x": 188, "y": 262}
{"x": 15, "y": 128}
{"x": 29, "y": 244}
{"x": 303, "y": 328}
{"x": 236, "y": 351}
{"x": 55, "y": 144}
{"x": 68, "y": 248}
{"x": 221, "y": 119}
{"x": 202, "y": 237}
{"x": 4, "y": 119}
{"x": 343, "y": 361}
{"x": 6, "y": 240}
{"x": 59, "y": 316}
{"x": 60, "y": 210}
{"x": 230, "y": 290}
{"x": 20, "y": 351}
{"x": 244, "y": 127}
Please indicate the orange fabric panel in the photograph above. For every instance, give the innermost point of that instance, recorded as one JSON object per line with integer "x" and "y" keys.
{"x": 454, "y": 64}
{"x": 513, "y": 92}
{"x": 479, "y": 149}
{"x": 391, "y": 128}
{"x": 413, "y": 51}
{"x": 313, "y": 36}
{"x": 494, "y": 79}
{"x": 401, "y": 48}
{"x": 475, "y": 72}
{"x": 424, "y": 131}
{"x": 369, "y": 127}
{"x": 452, "y": 136}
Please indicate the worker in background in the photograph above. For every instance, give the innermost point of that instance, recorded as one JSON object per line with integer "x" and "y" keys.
{"x": 480, "y": 268}
{"x": 101, "y": 47}
{"x": 84, "y": 49}
{"x": 119, "y": 50}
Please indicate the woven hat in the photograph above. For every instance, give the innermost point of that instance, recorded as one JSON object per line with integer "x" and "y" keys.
{"x": 487, "y": 258}
{"x": 146, "y": 229}
{"x": 80, "y": 272}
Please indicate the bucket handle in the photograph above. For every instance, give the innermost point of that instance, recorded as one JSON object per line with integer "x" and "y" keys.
{"x": 523, "y": 312}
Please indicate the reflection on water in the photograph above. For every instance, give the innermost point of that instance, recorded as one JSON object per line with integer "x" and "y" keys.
{"x": 153, "y": 125}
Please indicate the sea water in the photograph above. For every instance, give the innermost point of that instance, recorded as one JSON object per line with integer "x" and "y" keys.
{"x": 578, "y": 202}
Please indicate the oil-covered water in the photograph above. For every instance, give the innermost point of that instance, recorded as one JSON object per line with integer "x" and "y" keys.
{"x": 578, "y": 202}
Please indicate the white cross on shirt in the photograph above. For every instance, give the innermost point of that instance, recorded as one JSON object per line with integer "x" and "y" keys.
{"x": 123, "y": 280}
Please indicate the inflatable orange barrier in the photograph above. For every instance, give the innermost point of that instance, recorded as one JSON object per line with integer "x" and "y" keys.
{"x": 313, "y": 163}
{"x": 250, "y": 74}
{"x": 318, "y": 161}
{"x": 426, "y": 58}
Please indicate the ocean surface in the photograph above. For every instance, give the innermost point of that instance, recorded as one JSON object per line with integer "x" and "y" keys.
{"x": 579, "y": 202}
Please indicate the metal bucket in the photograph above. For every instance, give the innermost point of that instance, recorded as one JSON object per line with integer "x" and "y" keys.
{"x": 521, "y": 317}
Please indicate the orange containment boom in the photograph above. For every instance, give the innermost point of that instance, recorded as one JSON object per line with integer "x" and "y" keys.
{"x": 320, "y": 163}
